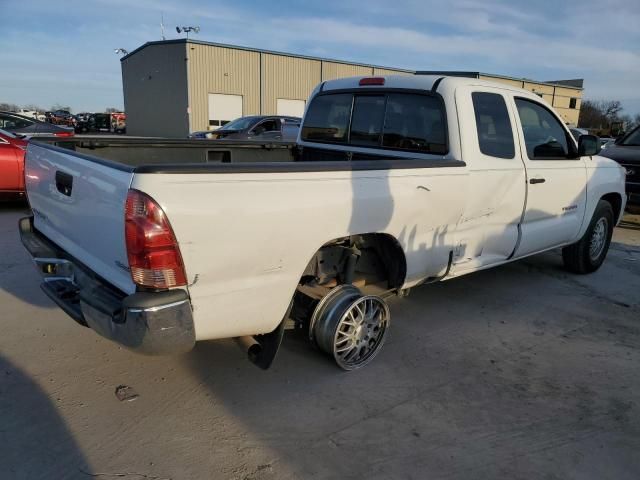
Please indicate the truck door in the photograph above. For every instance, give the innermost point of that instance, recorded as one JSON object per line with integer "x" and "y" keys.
{"x": 488, "y": 230}
{"x": 556, "y": 179}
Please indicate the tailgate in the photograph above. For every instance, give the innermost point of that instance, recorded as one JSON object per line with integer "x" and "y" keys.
{"x": 78, "y": 203}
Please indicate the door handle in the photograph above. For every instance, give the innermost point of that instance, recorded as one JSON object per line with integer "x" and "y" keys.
{"x": 64, "y": 183}
{"x": 533, "y": 181}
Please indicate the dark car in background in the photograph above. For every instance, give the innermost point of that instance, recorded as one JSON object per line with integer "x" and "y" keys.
{"x": 61, "y": 117}
{"x": 256, "y": 127}
{"x": 626, "y": 151}
{"x": 12, "y": 122}
{"x": 115, "y": 122}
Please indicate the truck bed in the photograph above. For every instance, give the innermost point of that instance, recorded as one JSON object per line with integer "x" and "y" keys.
{"x": 137, "y": 152}
{"x": 151, "y": 155}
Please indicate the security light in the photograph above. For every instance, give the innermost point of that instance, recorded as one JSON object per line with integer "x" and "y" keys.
{"x": 187, "y": 30}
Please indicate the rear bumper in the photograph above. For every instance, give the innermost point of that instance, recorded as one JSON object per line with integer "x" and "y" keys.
{"x": 147, "y": 322}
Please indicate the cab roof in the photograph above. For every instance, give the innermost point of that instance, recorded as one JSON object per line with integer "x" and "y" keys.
{"x": 440, "y": 83}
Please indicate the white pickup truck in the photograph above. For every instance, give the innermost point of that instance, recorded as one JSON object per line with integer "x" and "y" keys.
{"x": 394, "y": 182}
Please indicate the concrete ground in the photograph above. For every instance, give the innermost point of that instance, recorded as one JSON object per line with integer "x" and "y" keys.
{"x": 523, "y": 371}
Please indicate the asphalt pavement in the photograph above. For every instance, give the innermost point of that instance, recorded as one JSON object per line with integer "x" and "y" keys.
{"x": 522, "y": 371}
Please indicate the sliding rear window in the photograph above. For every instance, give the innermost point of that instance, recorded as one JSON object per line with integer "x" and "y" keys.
{"x": 394, "y": 121}
{"x": 328, "y": 119}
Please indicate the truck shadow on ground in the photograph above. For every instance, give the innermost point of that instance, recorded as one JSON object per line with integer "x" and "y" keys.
{"x": 33, "y": 435}
{"x": 454, "y": 376}
{"x": 447, "y": 380}
{"x": 18, "y": 277}
{"x": 629, "y": 225}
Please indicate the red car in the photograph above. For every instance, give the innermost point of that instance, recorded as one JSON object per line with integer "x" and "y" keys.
{"x": 12, "y": 149}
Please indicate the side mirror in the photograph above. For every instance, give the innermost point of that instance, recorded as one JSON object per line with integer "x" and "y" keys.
{"x": 588, "y": 145}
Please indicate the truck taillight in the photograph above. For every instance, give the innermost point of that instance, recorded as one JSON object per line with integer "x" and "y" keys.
{"x": 154, "y": 255}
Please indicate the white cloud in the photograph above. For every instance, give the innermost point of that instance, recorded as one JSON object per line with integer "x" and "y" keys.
{"x": 69, "y": 52}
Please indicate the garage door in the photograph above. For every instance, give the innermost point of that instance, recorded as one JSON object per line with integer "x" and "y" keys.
{"x": 223, "y": 108}
{"x": 292, "y": 108}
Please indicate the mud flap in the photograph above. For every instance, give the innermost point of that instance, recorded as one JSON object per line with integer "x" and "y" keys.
{"x": 269, "y": 344}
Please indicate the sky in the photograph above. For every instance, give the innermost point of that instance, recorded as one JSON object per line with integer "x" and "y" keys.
{"x": 63, "y": 52}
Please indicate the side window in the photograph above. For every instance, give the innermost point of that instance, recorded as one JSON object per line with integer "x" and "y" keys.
{"x": 6, "y": 122}
{"x": 367, "y": 120}
{"x": 415, "y": 123}
{"x": 544, "y": 135}
{"x": 9, "y": 121}
{"x": 495, "y": 136}
{"x": 270, "y": 125}
{"x": 327, "y": 119}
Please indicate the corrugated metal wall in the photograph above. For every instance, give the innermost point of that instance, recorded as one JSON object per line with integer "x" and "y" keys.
{"x": 287, "y": 77}
{"x": 215, "y": 69}
{"x": 506, "y": 81}
{"x": 167, "y": 84}
{"x": 154, "y": 84}
{"x": 558, "y": 97}
{"x": 159, "y": 88}
{"x": 260, "y": 77}
{"x": 333, "y": 70}
{"x": 387, "y": 71}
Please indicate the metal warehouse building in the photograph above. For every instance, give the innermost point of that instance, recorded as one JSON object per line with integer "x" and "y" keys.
{"x": 174, "y": 87}
{"x": 564, "y": 95}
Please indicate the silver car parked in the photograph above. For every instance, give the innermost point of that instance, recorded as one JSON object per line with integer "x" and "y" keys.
{"x": 256, "y": 127}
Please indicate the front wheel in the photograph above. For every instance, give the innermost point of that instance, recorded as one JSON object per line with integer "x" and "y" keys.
{"x": 586, "y": 255}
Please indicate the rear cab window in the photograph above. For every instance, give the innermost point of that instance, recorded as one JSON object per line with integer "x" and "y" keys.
{"x": 409, "y": 122}
{"x": 367, "y": 120}
{"x": 495, "y": 136}
{"x": 327, "y": 119}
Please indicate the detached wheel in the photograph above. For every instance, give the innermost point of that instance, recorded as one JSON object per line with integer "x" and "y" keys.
{"x": 350, "y": 327}
{"x": 586, "y": 255}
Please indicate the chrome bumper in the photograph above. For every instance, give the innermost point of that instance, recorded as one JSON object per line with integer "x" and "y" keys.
{"x": 154, "y": 323}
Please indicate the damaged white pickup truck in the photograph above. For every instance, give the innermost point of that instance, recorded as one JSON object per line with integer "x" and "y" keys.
{"x": 394, "y": 182}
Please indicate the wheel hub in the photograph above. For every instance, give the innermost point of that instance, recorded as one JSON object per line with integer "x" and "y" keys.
{"x": 350, "y": 327}
{"x": 598, "y": 238}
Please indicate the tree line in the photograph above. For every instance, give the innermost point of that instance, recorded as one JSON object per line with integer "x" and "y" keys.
{"x": 12, "y": 107}
{"x": 601, "y": 115}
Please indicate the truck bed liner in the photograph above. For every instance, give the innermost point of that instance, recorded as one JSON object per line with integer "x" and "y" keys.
{"x": 137, "y": 155}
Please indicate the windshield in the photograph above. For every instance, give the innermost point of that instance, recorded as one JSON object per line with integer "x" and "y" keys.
{"x": 241, "y": 123}
{"x": 633, "y": 139}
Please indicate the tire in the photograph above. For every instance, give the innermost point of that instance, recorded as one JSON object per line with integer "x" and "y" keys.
{"x": 587, "y": 254}
{"x": 349, "y": 326}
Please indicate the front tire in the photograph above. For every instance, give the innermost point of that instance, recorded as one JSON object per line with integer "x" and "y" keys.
{"x": 587, "y": 254}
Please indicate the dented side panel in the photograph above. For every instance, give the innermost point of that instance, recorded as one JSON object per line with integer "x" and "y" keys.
{"x": 247, "y": 238}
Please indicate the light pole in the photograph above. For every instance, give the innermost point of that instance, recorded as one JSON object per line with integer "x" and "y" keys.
{"x": 187, "y": 30}
{"x": 121, "y": 51}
